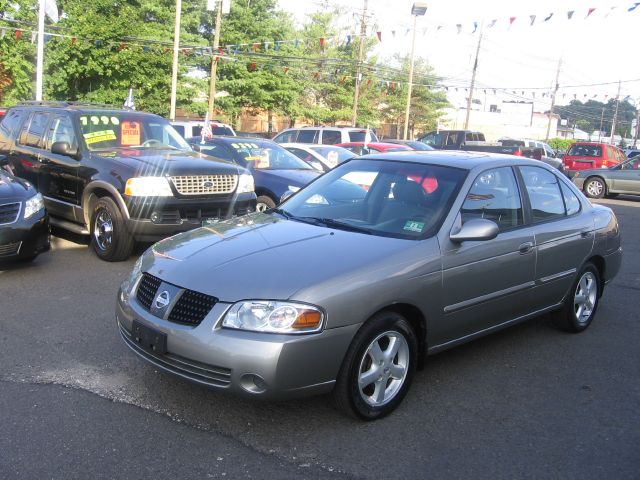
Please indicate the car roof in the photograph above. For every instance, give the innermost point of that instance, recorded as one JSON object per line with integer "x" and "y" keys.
{"x": 452, "y": 158}
{"x": 230, "y": 139}
{"x": 78, "y": 107}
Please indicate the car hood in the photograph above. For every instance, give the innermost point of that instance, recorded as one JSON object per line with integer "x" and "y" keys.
{"x": 261, "y": 256}
{"x": 156, "y": 162}
{"x": 297, "y": 178}
{"x": 12, "y": 188}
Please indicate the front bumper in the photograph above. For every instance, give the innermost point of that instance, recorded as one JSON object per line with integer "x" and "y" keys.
{"x": 269, "y": 366}
{"x": 160, "y": 217}
{"x": 25, "y": 238}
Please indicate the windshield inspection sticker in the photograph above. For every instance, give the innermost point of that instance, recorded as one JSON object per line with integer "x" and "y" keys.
{"x": 414, "y": 226}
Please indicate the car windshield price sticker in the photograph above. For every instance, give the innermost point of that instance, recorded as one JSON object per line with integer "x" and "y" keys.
{"x": 100, "y": 136}
{"x": 130, "y": 133}
{"x": 413, "y": 226}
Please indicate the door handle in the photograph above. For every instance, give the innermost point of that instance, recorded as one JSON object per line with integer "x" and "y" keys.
{"x": 525, "y": 247}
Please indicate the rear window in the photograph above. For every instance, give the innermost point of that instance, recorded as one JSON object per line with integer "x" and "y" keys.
{"x": 226, "y": 131}
{"x": 585, "y": 151}
{"x": 359, "y": 136}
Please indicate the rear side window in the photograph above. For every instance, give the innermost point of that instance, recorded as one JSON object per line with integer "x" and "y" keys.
{"x": 9, "y": 125}
{"x": 544, "y": 194}
{"x": 61, "y": 130}
{"x": 494, "y": 196}
{"x": 570, "y": 200}
{"x": 225, "y": 131}
{"x": 33, "y": 131}
{"x": 308, "y": 136}
{"x": 288, "y": 136}
{"x": 331, "y": 137}
{"x": 179, "y": 129}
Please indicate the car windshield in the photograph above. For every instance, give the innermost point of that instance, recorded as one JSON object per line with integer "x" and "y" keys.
{"x": 266, "y": 155}
{"x": 104, "y": 130}
{"x": 378, "y": 197}
{"x": 360, "y": 136}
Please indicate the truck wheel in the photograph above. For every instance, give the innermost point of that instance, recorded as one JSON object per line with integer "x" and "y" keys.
{"x": 594, "y": 187}
{"x": 264, "y": 203}
{"x": 109, "y": 236}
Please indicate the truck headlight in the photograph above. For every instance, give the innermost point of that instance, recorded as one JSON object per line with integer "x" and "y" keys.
{"x": 273, "y": 317}
{"x": 245, "y": 183}
{"x": 148, "y": 187}
{"x": 33, "y": 205}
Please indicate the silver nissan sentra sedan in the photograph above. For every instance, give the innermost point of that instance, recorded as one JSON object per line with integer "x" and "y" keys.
{"x": 355, "y": 279}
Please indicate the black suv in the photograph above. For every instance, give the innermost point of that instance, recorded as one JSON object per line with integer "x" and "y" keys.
{"x": 119, "y": 175}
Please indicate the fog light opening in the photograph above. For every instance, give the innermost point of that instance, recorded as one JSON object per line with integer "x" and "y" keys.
{"x": 155, "y": 217}
{"x": 253, "y": 383}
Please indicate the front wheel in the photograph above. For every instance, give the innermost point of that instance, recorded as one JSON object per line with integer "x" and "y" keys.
{"x": 581, "y": 303}
{"x": 110, "y": 238}
{"x": 378, "y": 368}
{"x": 595, "y": 188}
{"x": 264, "y": 203}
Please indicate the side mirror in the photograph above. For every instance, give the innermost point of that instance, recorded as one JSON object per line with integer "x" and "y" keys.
{"x": 63, "y": 148}
{"x": 475, "y": 229}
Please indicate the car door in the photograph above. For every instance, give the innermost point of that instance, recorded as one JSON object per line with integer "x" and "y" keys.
{"x": 564, "y": 235}
{"x": 58, "y": 178}
{"x": 25, "y": 157}
{"x": 486, "y": 283}
{"x": 626, "y": 177}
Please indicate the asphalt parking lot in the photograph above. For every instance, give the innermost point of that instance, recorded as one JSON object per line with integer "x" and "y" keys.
{"x": 529, "y": 402}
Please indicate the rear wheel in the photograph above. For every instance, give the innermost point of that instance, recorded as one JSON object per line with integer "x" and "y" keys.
{"x": 264, "y": 203}
{"x": 581, "y": 303}
{"x": 110, "y": 238}
{"x": 595, "y": 187}
{"x": 378, "y": 368}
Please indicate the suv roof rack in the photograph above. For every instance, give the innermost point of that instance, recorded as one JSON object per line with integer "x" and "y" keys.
{"x": 64, "y": 104}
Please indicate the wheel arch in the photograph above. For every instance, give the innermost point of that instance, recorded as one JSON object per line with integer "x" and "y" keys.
{"x": 96, "y": 190}
{"x": 600, "y": 264}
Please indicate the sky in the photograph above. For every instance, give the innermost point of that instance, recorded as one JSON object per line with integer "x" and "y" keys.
{"x": 597, "y": 49}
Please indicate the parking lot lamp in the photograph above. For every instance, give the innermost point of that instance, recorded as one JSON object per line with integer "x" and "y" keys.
{"x": 418, "y": 10}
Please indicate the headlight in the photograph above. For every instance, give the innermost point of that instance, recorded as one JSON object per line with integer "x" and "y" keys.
{"x": 126, "y": 288}
{"x": 148, "y": 187}
{"x": 273, "y": 317}
{"x": 33, "y": 205}
{"x": 293, "y": 188}
{"x": 245, "y": 183}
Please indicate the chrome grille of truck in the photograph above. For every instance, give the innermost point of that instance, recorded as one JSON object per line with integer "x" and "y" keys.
{"x": 205, "y": 184}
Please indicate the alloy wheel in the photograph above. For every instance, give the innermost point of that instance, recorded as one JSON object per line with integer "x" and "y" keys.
{"x": 103, "y": 230}
{"x": 595, "y": 188}
{"x": 383, "y": 368}
{"x": 261, "y": 207}
{"x": 585, "y": 297}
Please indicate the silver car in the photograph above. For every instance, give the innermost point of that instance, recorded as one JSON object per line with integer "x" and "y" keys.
{"x": 356, "y": 278}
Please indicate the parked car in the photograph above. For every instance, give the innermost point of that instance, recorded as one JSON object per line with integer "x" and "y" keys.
{"x": 275, "y": 170}
{"x": 413, "y": 144}
{"x": 452, "y": 139}
{"x": 527, "y": 142}
{"x": 359, "y": 148}
{"x": 324, "y": 135}
{"x": 320, "y": 157}
{"x": 119, "y": 175}
{"x": 193, "y": 128}
{"x": 630, "y": 153}
{"x": 600, "y": 182}
{"x": 24, "y": 223}
{"x": 349, "y": 295}
{"x": 587, "y": 155}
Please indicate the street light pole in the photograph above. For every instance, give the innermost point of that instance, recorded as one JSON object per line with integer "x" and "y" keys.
{"x": 174, "y": 74}
{"x": 356, "y": 93}
{"x": 418, "y": 9}
{"x": 214, "y": 58}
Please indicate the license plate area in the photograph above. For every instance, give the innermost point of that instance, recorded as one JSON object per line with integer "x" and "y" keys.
{"x": 149, "y": 338}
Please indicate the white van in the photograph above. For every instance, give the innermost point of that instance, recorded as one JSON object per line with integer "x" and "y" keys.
{"x": 191, "y": 128}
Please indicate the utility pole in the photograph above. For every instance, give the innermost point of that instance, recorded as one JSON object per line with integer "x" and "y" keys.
{"x": 635, "y": 135}
{"x": 473, "y": 80}
{"x": 615, "y": 114}
{"x": 214, "y": 58}
{"x": 601, "y": 123}
{"x": 553, "y": 99}
{"x": 363, "y": 32}
{"x": 174, "y": 73}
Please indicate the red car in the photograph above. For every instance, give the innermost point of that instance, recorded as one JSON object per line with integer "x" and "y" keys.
{"x": 585, "y": 155}
{"x": 374, "y": 147}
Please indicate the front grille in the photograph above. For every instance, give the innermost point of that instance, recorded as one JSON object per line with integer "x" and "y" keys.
{"x": 205, "y": 184}
{"x": 196, "y": 371}
{"x": 10, "y": 249}
{"x": 9, "y": 212}
{"x": 192, "y": 307}
{"x": 147, "y": 290}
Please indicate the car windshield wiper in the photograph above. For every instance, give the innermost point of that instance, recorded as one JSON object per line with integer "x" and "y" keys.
{"x": 282, "y": 212}
{"x": 330, "y": 222}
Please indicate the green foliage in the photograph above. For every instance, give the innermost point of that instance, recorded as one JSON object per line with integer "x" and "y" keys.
{"x": 593, "y": 115}
{"x": 560, "y": 144}
{"x": 17, "y": 57}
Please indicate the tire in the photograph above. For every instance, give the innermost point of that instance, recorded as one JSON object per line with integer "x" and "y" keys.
{"x": 595, "y": 187}
{"x": 264, "y": 203}
{"x": 109, "y": 236}
{"x": 391, "y": 378}
{"x": 581, "y": 303}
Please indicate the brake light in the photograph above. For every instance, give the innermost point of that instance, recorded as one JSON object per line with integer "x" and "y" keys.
{"x": 518, "y": 153}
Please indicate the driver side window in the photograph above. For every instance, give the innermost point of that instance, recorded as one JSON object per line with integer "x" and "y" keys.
{"x": 61, "y": 130}
{"x": 495, "y": 196}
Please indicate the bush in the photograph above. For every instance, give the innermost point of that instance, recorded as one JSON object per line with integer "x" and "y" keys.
{"x": 560, "y": 144}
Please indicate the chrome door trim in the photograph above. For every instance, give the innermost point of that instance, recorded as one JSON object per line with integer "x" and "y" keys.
{"x": 557, "y": 276}
{"x": 489, "y": 296}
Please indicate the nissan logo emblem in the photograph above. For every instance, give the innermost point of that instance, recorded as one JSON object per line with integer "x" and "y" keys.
{"x": 207, "y": 184}
{"x": 162, "y": 300}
